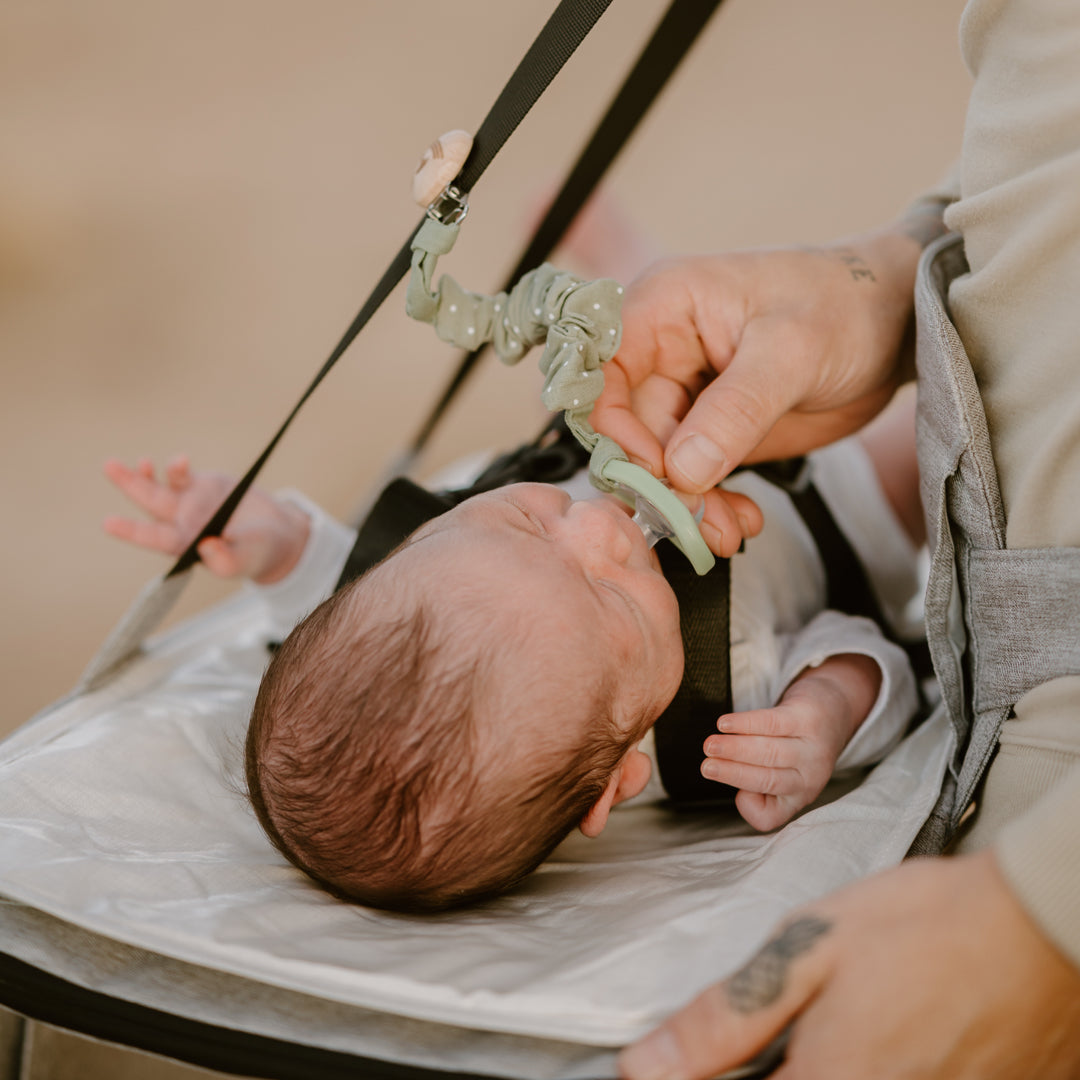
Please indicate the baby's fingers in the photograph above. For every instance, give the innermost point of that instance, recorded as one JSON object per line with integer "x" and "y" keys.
{"x": 730, "y": 517}
{"x": 766, "y": 812}
{"x": 154, "y": 535}
{"x": 777, "y": 722}
{"x": 140, "y": 486}
{"x": 178, "y": 473}
{"x": 747, "y": 777}
{"x": 754, "y": 750}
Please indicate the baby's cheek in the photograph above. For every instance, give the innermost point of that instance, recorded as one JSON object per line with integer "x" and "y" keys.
{"x": 667, "y": 673}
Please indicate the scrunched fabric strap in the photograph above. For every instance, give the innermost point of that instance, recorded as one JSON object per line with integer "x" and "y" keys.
{"x": 577, "y": 321}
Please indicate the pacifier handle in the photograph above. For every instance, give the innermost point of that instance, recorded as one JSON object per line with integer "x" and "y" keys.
{"x": 685, "y": 534}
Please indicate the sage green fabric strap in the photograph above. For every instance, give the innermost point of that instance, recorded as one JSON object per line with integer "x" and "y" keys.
{"x": 577, "y": 322}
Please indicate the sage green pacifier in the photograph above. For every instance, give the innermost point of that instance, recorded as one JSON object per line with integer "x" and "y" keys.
{"x": 659, "y": 513}
{"x": 579, "y": 325}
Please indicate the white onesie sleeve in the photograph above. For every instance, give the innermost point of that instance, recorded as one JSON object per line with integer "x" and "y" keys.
{"x": 831, "y": 633}
{"x": 313, "y": 578}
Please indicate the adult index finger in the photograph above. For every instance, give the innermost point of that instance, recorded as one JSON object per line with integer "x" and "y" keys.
{"x": 615, "y": 416}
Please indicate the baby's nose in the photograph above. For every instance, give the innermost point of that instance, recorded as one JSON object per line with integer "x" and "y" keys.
{"x": 597, "y": 534}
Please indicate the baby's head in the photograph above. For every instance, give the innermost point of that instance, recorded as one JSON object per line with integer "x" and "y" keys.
{"x": 429, "y": 734}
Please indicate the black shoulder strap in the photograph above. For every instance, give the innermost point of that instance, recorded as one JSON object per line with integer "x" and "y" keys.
{"x": 705, "y": 691}
{"x": 847, "y": 583}
{"x": 847, "y": 586}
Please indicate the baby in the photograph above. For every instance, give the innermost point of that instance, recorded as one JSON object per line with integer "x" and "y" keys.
{"x": 429, "y": 733}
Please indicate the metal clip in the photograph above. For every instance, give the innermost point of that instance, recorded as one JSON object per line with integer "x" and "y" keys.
{"x": 450, "y": 207}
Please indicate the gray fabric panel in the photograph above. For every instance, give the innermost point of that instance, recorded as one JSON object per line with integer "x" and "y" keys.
{"x": 964, "y": 513}
{"x": 999, "y": 622}
{"x": 1018, "y": 597}
{"x": 213, "y": 997}
{"x": 943, "y": 436}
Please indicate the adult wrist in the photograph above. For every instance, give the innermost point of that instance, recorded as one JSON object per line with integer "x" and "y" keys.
{"x": 893, "y": 252}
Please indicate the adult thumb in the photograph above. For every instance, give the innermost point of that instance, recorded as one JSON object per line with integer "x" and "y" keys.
{"x": 734, "y": 412}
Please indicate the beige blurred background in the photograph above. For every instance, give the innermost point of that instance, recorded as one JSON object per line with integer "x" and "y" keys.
{"x": 195, "y": 198}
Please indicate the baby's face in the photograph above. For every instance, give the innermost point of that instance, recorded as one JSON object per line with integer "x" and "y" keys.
{"x": 573, "y": 582}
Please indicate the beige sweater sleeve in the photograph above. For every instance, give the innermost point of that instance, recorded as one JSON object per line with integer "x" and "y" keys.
{"x": 1039, "y": 854}
{"x": 1019, "y": 317}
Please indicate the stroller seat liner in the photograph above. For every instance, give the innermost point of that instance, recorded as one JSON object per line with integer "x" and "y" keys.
{"x": 124, "y": 817}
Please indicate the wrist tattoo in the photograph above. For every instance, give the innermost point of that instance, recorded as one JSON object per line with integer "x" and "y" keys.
{"x": 857, "y": 266}
{"x": 924, "y": 222}
{"x": 760, "y": 982}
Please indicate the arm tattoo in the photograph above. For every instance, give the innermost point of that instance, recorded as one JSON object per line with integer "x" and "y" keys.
{"x": 857, "y": 266}
{"x": 761, "y": 981}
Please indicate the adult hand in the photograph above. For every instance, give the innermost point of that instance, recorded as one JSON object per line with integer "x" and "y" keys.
{"x": 757, "y": 355}
{"x": 930, "y": 971}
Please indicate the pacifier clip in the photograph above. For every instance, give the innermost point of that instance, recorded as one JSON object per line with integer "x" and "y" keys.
{"x": 577, "y": 322}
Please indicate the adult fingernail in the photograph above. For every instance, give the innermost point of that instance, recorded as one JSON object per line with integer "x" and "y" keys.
{"x": 712, "y": 536}
{"x": 744, "y": 525}
{"x": 693, "y": 502}
{"x": 699, "y": 460}
{"x": 656, "y": 1057}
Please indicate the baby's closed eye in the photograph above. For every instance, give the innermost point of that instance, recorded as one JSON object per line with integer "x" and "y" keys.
{"x": 532, "y": 520}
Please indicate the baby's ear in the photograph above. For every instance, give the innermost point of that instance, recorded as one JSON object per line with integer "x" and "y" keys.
{"x": 629, "y": 779}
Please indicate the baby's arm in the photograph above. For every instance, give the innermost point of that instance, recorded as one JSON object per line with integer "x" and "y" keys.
{"x": 781, "y": 758}
{"x": 263, "y": 541}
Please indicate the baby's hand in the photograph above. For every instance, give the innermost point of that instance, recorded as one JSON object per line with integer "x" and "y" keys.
{"x": 263, "y": 540}
{"x": 781, "y": 758}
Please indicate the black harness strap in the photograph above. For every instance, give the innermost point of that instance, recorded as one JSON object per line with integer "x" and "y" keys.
{"x": 846, "y": 581}
{"x": 705, "y": 691}
{"x": 847, "y": 587}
